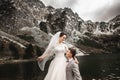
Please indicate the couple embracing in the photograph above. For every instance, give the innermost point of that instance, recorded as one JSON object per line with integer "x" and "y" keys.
{"x": 64, "y": 66}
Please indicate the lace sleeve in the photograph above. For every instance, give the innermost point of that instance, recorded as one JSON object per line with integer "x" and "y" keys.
{"x": 66, "y": 48}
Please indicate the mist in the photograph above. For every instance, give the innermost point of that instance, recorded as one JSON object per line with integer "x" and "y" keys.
{"x": 95, "y": 10}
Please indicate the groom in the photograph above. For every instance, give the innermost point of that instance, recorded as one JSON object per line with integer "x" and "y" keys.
{"x": 72, "y": 69}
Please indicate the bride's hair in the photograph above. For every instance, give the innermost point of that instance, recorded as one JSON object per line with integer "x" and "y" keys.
{"x": 62, "y": 33}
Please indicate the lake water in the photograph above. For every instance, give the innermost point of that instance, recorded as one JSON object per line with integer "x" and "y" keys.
{"x": 92, "y": 67}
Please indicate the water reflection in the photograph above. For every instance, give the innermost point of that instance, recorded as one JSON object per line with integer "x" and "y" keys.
{"x": 93, "y": 67}
{"x": 21, "y": 71}
{"x": 100, "y": 67}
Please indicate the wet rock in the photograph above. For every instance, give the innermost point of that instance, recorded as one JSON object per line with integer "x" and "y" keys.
{"x": 17, "y": 48}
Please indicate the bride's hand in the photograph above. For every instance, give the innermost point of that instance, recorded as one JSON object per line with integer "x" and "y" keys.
{"x": 76, "y": 61}
{"x": 40, "y": 58}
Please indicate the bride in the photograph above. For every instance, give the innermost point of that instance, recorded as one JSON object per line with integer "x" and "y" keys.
{"x": 57, "y": 68}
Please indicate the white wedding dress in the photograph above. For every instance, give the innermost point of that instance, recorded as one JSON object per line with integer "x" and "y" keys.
{"x": 57, "y": 68}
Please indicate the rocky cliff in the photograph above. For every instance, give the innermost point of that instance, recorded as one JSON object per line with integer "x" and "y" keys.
{"x": 25, "y": 26}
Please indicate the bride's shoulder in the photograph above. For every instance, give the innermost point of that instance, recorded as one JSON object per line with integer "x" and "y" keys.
{"x": 64, "y": 44}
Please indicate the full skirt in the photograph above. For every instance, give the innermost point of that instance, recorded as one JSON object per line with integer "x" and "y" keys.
{"x": 57, "y": 69}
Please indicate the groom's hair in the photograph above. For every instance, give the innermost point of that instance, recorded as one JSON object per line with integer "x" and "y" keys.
{"x": 72, "y": 51}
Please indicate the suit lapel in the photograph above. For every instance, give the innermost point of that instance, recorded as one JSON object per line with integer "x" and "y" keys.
{"x": 69, "y": 64}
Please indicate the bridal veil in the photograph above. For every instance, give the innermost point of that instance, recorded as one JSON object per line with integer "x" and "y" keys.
{"x": 49, "y": 50}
